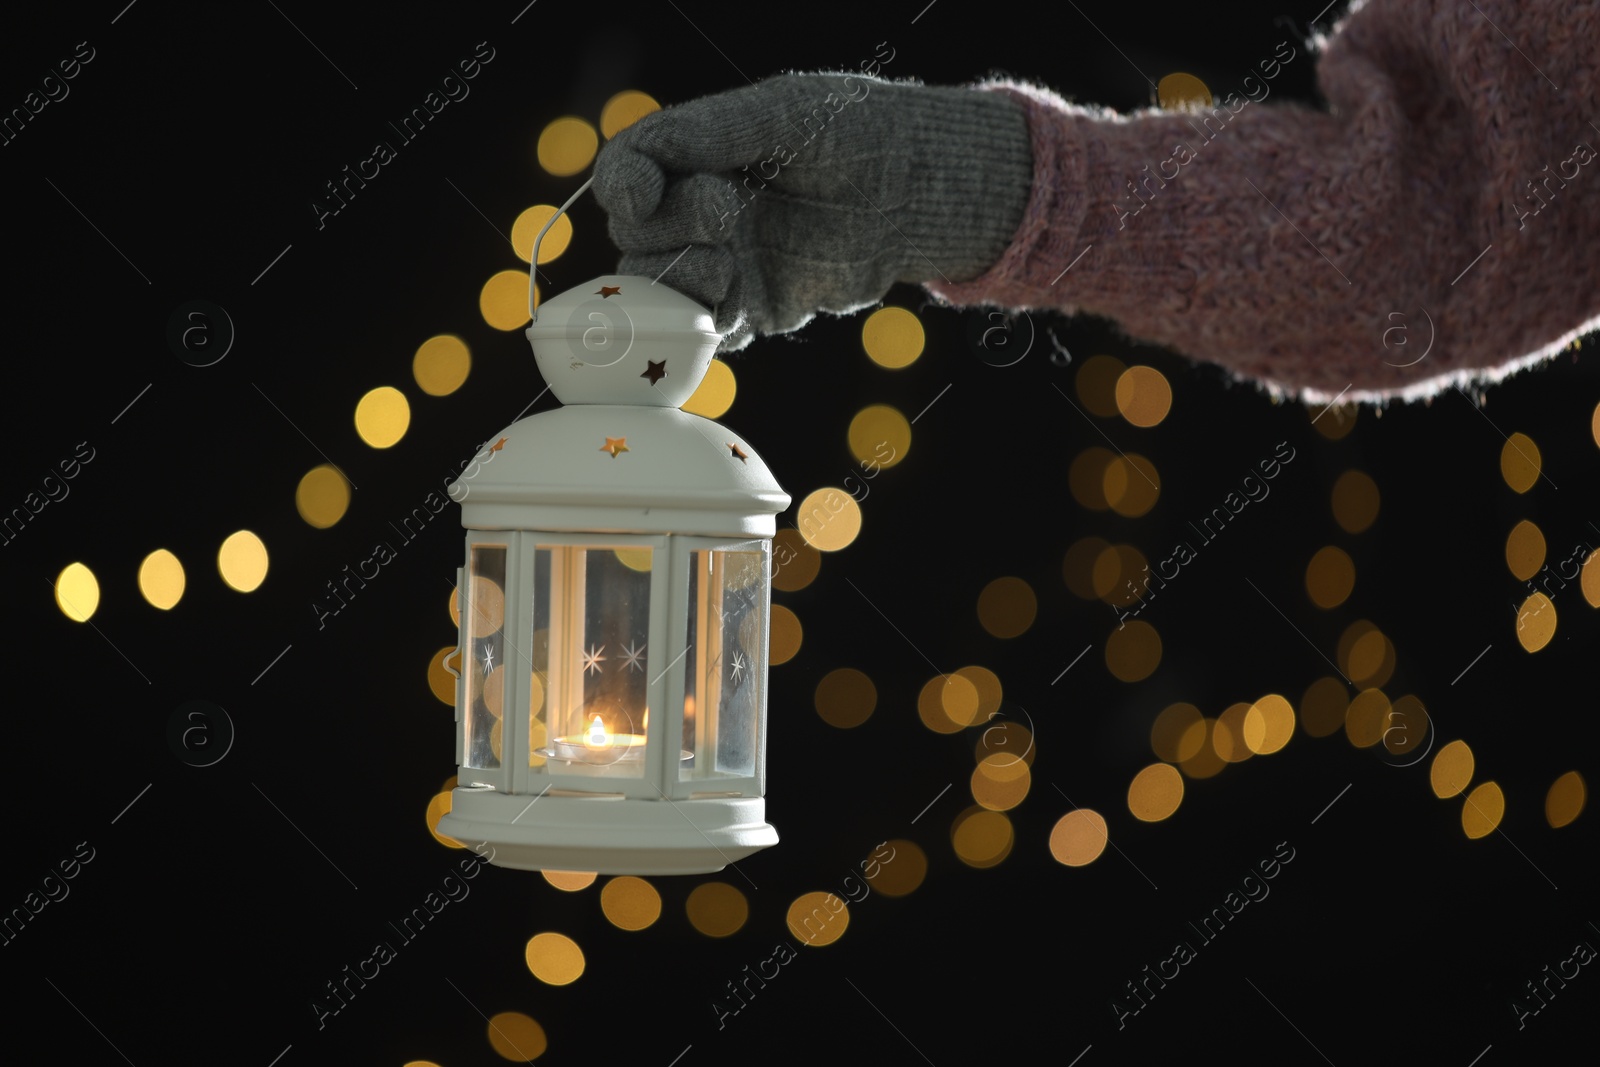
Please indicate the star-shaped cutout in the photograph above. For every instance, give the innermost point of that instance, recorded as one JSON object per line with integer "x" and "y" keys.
{"x": 498, "y": 445}
{"x": 738, "y": 666}
{"x": 738, "y": 453}
{"x": 655, "y": 371}
{"x": 592, "y": 660}
{"x": 632, "y": 656}
{"x": 488, "y": 659}
{"x": 608, "y": 290}
{"x": 615, "y": 445}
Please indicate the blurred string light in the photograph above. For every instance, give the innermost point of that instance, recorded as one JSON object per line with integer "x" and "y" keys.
{"x": 1330, "y": 577}
{"x": 1143, "y": 396}
{"x": 905, "y": 872}
{"x": 161, "y": 579}
{"x": 323, "y": 496}
{"x": 438, "y": 808}
{"x": 1520, "y": 462}
{"x": 567, "y": 146}
{"x": 714, "y": 395}
{"x": 1155, "y": 792}
{"x": 1451, "y": 770}
{"x": 1355, "y": 501}
{"x": 1133, "y": 651}
{"x": 382, "y": 416}
{"x": 242, "y": 561}
{"x": 1130, "y": 485}
{"x": 1007, "y": 607}
{"x": 845, "y": 698}
{"x": 1565, "y": 800}
{"x": 879, "y": 434}
{"x": 1525, "y": 550}
{"x": 1536, "y": 622}
{"x": 441, "y": 364}
{"x": 829, "y": 519}
{"x": 630, "y": 903}
{"x": 1096, "y": 383}
{"x": 786, "y": 635}
{"x": 1335, "y": 421}
{"x": 717, "y": 909}
{"x": 554, "y": 959}
{"x": 1182, "y": 92}
{"x": 77, "y": 592}
{"x": 441, "y": 683}
{"x": 517, "y": 1037}
{"x": 1483, "y": 809}
{"x": 503, "y": 300}
{"x": 893, "y": 337}
{"x": 527, "y": 226}
{"x": 817, "y": 919}
{"x": 624, "y": 109}
{"x": 795, "y": 563}
{"x": 569, "y": 881}
{"x": 981, "y": 838}
{"x": 1078, "y": 837}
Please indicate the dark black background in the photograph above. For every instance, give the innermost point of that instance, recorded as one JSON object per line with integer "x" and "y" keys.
{"x": 195, "y": 141}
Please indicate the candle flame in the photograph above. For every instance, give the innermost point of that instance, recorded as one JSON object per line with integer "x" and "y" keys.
{"x": 597, "y": 734}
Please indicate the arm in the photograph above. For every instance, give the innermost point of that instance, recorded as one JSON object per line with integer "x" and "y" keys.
{"x": 1448, "y": 175}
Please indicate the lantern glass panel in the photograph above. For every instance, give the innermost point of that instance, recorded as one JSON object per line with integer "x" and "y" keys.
{"x": 728, "y": 606}
{"x": 593, "y": 605}
{"x": 484, "y": 628}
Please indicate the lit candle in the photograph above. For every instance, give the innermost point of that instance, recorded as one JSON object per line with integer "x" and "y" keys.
{"x": 597, "y": 745}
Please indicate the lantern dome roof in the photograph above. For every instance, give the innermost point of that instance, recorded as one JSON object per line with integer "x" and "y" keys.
{"x": 620, "y": 469}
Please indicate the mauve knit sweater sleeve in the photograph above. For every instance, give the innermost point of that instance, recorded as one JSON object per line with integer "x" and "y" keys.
{"x": 1452, "y": 178}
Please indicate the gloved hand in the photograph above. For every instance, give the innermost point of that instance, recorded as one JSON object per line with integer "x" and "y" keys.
{"x": 815, "y": 192}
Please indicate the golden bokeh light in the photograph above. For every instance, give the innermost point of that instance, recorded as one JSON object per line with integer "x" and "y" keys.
{"x": 795, "y": 564}
{"x": 569, "y": 881}
{"x": 1323, "y": 707}
{"x": 1086, "y": 477}
{"x": 1525, "y": 550}
{"x": 1077, "y": 566}
{"x": 438, "y": 808}
{"x": 879, "y": 435}
{"x": 441, "y": 364}
{"x": 1336, "y": 421}
{"x": 902, "y": 873}
{"x": 567, "y": 146}
{"x": 161, "y": 579}
{"x": 1483, "y": 809}
{"x": 717, "y": 909}
{"x": 635, "y": 559}
{"x": 554, "y": 959}
{"x": 624, "y": 109}
{"x": 77, "y": 592}
{"x": 989, "y": 690}
{"x": 1366, "y": 654}
{"x": 1182, "y": 92}
{"x": 1367, "y": 718}
{"x": 1408, "y": 727}
{"x": 1174, "y": 737}
{"x": 630, "y": 903}
{"x": 1007, "y": 607}
{"x": 958, "y": 697}
{"x": 1078, "y": 838}
{"x": 1001, "y": 782}
{"x": 981, "y": 838}
{"x": 930, "y": 706}
{"x": 1227, "y": 737}
{"x": 1330, "y": 577}
{"x": 1536, "y": 622}
{"x": 893, "y": 337}
{"x": 1355, "y": 501}
{"x": 1096, "y": 383}
{"x": 1155, "y": 792}
{"x": 1590, "y": 581}
{"x": 785, "y": 635}
{"x": 818, "y": 919}
{"x": 846, "y": 698}
{"x": 1520, "y": 462}
{"x": 829, "y": 519}
{"x": 714, "y": 395}
{"x": 1564, "y": 802}
{"x": 242, "y": 561}
{"x": 1201, "y": 737}
{"x": 517, "y": 1037}
{"x": 1119, "y": 575}
{"x": 1131, "y": 485}
{"x": 1133, "y": 651}
{"x": 526, "y": 229}
{"x": 455, "y": 607}
{"x": 1143, "y": 395}
{"x": 1451, "y": 771}
{"x": 382, "y": 417}
{"x": 1268, "y": 725}
{"x": 323, "y": 496}
{"x": 503, "y": 300}
{"x": 441, "y": 683}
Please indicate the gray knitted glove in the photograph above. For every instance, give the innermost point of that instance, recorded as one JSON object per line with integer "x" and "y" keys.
{"x": 815, "y": 192}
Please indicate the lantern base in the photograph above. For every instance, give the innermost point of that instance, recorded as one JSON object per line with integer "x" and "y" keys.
{"x": 607, "y": 835}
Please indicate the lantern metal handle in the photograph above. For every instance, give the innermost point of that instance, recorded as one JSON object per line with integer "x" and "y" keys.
{"x": 533, "y": 258}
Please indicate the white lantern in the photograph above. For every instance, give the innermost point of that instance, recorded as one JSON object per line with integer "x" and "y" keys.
{"x": 612, "y": 691}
